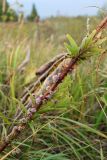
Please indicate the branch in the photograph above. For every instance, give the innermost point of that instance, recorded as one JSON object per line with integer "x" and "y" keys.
{"x": 47, "y": 65}
{"x": 46, "y": 91}
{"x": 43, "y": 95}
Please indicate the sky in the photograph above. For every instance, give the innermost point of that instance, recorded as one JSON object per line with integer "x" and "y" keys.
{"x": 47, "y": 8}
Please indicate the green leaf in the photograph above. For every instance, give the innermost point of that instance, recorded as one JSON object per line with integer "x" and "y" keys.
{"x": 4, "y": 118}
{"x": 31, "y": 124}
{"x": 101, "y": 153}
{"x": 68, "y": 48}
{"x": 95, "y": 50}
{"x": 91, "y": 36}
{"x": 83, "y": 43}
{"x": 73, "y": 47}
{"x": 87, "y": 41}
{"x": 100, "y": 41}
{"x": 104, "y": 99}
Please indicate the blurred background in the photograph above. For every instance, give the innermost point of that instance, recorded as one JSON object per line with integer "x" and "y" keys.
{"x": 48, "y": 8}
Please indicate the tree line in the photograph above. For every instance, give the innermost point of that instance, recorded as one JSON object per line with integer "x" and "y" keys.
{"x": 7, "y": 13}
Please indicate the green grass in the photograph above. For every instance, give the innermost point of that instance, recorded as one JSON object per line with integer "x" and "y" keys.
{"x": 72, "y": 125}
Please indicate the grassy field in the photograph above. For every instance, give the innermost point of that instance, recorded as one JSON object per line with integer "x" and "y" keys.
{"x": 72, "y": 125}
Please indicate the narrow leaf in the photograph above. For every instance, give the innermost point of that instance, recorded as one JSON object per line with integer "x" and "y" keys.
{"x": 73, "y": 46}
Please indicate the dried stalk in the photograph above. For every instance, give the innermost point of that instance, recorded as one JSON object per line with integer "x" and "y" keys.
{"x": 33, "y": 87}
{"x": 21, "y": 67}
{"x": 47, "y": 65}
{"x": 46, "y": 91}
{"x": 102, "y": 25}
{"x": 4, "y": 6}
{"x": 51, "y": 64}
{"x": 40, "y": 98}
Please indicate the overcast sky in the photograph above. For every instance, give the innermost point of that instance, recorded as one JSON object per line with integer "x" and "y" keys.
{"x": 48, "y": 8}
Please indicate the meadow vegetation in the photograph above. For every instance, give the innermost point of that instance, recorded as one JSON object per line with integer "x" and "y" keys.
{"x": 72, "y": 125}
